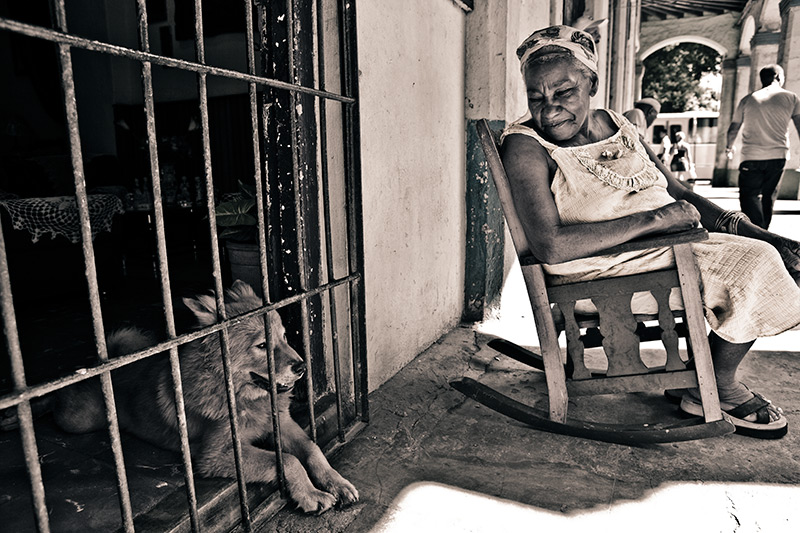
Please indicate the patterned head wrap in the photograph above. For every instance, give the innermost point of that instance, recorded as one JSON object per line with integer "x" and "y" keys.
{"x": 579, "y": 43}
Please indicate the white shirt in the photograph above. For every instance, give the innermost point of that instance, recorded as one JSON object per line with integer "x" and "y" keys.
{"x": 765, "y": 115}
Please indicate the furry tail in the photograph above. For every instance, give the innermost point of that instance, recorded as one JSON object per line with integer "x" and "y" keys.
{"x": 80, "y": 408}
{"x": 126, "y": 340}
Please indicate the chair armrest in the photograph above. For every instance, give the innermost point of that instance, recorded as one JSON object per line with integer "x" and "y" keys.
{"x": 644, "y": 243}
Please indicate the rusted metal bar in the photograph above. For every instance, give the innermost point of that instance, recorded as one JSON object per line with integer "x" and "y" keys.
{"x": 163, "y": 264}
{"x": 36, "y": 391}
{"x": 326, "y": 204}
{"x": 24, "y": 414}
{"x": 202, "y": 89}
{"x": 352, "y": 156}
{"x": 291, "y": 20}
{"x": 74, "y": 41}
{"x": 263, "y": 13}
{"x": 71, "y": 108}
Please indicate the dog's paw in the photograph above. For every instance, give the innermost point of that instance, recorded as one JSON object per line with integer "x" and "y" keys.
{"x": 344, "y": 491}
{"x": 314, "y": 501}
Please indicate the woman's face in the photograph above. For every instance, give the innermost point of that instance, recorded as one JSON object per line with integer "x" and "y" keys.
{"x": 558, "y": 99}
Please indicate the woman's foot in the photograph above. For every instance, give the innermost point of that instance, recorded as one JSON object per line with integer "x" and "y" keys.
{"x": 754, "y": 416}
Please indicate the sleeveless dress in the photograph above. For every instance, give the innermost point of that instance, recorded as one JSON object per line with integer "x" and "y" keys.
{"x": 747, "y": 292}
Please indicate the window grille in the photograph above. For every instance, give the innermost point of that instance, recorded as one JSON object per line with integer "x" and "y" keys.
{"x": 289, "y": 110}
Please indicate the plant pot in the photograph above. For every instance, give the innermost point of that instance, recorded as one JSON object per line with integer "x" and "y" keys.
{"x": 244, "y": 263}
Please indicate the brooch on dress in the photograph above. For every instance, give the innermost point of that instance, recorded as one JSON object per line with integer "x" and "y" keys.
{"x": 612, "y": 154}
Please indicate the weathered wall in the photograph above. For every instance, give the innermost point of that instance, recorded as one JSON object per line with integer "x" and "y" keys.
{"x": 411, "y": 58}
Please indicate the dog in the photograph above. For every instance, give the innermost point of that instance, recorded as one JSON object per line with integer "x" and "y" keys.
{"x": 145, "y": 402}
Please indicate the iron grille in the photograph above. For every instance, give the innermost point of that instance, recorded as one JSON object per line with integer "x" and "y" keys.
{"x": 313, "y": 240}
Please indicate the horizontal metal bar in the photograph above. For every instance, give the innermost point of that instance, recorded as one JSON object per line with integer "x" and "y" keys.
{"x": 36, "y": 391}
{"x": 138, "y": 55}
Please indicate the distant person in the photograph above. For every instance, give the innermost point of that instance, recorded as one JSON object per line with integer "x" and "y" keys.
{"x": 681, "y": 163}
{"x": 643, "y": 114}
{"x": 763, "y": 116}
{"x": 664, "y": 147}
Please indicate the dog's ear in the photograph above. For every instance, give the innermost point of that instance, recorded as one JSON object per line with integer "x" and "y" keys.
{"x": 240, "y": 290}
{"x": 204, "y": 308}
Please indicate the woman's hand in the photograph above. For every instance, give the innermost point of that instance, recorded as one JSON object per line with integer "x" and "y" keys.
{"x": 677, "y": 216}
{"x": 790, "y": 253}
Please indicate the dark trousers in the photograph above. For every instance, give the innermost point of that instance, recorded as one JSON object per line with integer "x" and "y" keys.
{"x": 758, "y": 189}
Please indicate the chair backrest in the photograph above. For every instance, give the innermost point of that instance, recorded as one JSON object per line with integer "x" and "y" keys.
{"x": 489, "y": 142}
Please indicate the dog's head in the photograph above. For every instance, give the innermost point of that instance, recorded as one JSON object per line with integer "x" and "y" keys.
{"x": 247, "y": 343}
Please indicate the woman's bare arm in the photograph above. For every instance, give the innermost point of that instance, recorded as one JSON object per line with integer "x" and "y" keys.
{"x": 710, "y": 214}
{"x": 530, "y": 170}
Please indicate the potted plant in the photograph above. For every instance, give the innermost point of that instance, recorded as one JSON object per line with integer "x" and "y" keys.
{"x": 237, "y": 226}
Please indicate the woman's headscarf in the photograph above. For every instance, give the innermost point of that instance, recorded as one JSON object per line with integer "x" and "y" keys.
{"x": 579, "y": 43}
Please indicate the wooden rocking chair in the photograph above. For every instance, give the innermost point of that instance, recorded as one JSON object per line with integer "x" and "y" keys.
{"x": 614, "y": 328}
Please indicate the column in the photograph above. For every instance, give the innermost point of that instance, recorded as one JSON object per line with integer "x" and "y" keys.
{"x": 763, "y": 51}
{"x": 727, "y": 105}
{"x": 485, "y": 88}
{"x": 789, "y": 59}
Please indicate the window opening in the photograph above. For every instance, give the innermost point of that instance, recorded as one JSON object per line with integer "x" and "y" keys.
{"x": 172, "y": 150}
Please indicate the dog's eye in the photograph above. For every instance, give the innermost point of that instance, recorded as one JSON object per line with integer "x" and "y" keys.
{"x": 262, "y": 346}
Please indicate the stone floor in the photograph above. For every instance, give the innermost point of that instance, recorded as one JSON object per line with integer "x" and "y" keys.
{"x": 433, "y": 460}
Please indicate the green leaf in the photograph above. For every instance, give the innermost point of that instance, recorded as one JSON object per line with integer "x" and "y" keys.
{"x": 248, "y": 189}
{"x": 239, "y": 212}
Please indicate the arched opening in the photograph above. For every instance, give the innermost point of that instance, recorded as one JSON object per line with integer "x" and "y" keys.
{"x": 686, "y": 78}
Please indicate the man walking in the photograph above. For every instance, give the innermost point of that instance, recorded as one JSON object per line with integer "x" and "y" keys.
{"x": 763, "y": 116}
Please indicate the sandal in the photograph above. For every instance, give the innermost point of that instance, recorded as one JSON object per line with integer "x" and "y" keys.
{"x": 763, "y": 427}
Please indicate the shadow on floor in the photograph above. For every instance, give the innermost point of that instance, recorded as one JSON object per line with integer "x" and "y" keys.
{"x": 426, "y": 436}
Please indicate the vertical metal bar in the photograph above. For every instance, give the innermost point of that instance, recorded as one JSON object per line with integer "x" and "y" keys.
{"x": 202, "y": 88}
{"x": 166, "y": 291}
{"x": 349, "y": 58}
{"x": 299, "y": 225}
{"x": 71, "y": 108}
{"x": 273, "y": 389}
{"x": 273, "y": 385}
{"x": 24, "y": 414}
{"x": 254, "y": 127}
{"x": 326, "y": 202}
{"x": 262, "y": 235}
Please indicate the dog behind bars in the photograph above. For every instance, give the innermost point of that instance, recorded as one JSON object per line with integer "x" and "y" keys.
{"x": 145, "y": 403}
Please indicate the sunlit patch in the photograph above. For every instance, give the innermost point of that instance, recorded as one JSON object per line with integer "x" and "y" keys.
{"x": 671, "y": 507}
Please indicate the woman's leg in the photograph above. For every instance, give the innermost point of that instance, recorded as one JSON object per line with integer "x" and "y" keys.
{"x": 726, "y": 357}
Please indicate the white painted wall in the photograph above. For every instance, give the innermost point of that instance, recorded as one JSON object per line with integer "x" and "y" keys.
{"x": 411, "y": 61}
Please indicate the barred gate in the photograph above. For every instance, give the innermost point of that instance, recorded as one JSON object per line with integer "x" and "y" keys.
{"x": 296, "y": 157}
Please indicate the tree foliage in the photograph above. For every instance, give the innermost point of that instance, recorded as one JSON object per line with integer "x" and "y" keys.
{"x": 672, "y": 76}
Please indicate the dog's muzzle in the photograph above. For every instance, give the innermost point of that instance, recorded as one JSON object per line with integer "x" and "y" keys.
{"x": 263, "y": 383}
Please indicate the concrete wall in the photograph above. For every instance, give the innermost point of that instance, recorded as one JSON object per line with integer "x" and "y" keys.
{"x": 411, "y": 58}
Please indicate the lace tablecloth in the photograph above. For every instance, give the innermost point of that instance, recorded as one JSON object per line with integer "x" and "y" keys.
{"x": 58, "y": 215}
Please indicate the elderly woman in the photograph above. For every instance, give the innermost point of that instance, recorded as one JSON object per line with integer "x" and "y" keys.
{"x": 583, "y": 182}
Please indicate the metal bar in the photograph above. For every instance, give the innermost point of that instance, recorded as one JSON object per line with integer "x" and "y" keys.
{"x": 71, "y": 109}
{"x": 166, "y": 291}
{"x": 17, "y": 397}
{"x": 326, "y": 203}
{"x": 24, "y": 414}
{"x": 121, "y": 51}
{"x": 273, "y": 386}
{"x": 352, "y": 156}
{"x": 299, "y": 225}
{"x": 202, "y": 89}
